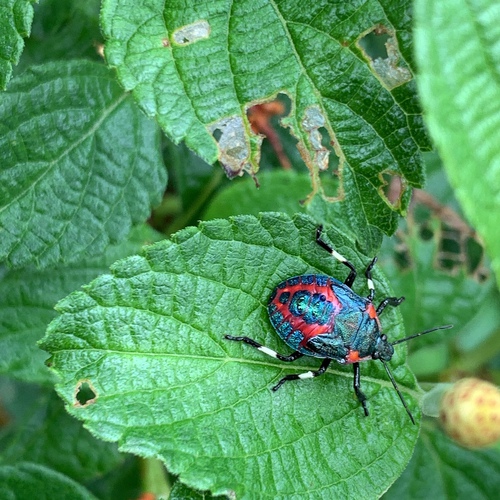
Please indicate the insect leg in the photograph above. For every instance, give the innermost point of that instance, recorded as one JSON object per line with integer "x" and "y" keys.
{"x": 298, "y": 376}
{"x": 292, "y": 357}
{"x": 368, "y": 274}
{"x": 357, "y": 388}
{"x": 389, "y": 301}
{"x": 352, "y": 275}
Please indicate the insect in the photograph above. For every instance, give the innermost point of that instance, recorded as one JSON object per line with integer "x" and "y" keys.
{"x": 320, "y": 316}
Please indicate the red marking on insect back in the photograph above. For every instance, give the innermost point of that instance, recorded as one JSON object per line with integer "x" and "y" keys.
{"x": 370, "y": 309}
{"x": 308, "y": 330}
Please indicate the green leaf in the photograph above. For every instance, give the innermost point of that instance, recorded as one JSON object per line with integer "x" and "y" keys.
{"x": 27, "y": 481}
{"x": 81, "y": 164}
{"x": 440, "y": 468}
{"x": 280, "y": 190}
{"x": 284, "y": 191}
{"x": 459, "y": 57}
{"x": 45, "y": 434}
{"x": 198, "y": 67}
{"x": 16, "y": 17}
{"x": 434, "y": 295}
{"x": 142, "y": 360}
{"x": 63, "y": 30}
{"x": 27, "y": 299}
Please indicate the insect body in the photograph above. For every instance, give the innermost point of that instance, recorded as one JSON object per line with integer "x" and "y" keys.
{"x": 318, "y": 315}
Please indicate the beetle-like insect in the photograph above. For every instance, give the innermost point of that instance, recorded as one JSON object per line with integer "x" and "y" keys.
{"x": 318, "y": 315}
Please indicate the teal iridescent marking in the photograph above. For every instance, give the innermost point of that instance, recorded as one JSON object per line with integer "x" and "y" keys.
{"x": 326, "y": 313}
{"x": 284, "y": 329}
{"x": 295, "y": 338}
{"x": 284, "y": 297}
{"x": 308, "y": 279}
{"x": 299, "y": 303}
{"x": 321, "y": 280}
{"x": 277, "y": 318}
{"x": 293, "y": 281}
{"x": 314, "y": 308}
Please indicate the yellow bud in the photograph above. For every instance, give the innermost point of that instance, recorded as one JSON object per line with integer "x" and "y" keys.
{"x": 470, "y": 413}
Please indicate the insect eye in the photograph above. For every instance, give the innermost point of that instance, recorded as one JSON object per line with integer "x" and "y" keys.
{"x": 376, "y": 355}
{"x": 383, "y": 337}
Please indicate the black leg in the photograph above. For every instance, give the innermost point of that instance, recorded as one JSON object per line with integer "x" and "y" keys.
{"x": 357, "y": 388}
{"x": 352, "y": 275}
{"x": 299, "y": 376}
{"x": 292, "y": 357}
{"x": 389, "y": 301}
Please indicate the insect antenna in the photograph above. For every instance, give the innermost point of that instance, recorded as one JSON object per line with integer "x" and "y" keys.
{"x": 390, "y": 375}
{"x": 445, "y": 327}
{"x": 395, "y": 385}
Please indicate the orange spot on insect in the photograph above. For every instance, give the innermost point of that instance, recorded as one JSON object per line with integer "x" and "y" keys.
{"x": 353, "y": 357}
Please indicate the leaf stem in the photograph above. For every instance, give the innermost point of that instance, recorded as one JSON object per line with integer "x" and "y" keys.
{"x": 191, "y": 211}
{"x": 155, "y": 478}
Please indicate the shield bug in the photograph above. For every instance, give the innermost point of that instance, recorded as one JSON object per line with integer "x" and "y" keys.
{"x": 320, "y": 316}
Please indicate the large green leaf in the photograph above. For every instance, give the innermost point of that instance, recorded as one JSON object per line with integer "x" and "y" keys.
{"x": 16, "y": 17}
{"x": 26, "y": 480}
{"x": 80, "y": 164}
{"x": 28, "y": 297}
{"x": 280, "y": 190}
{"x": 198, "y": 66}
{"x": 434, "y": 295}
{"x": 459, "y": 56}
{"x": 42, "y": 432}
{"x": 440, "y": 468}
{"x": 62, "y": 30}
{"x": 142, "y": 360}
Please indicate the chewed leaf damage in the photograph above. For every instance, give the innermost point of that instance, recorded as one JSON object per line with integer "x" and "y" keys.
{"x": 191, "y": 33}
{"x": 390, "y": 69}
{"x": 234, "y": 150}
{"x": 313, "y": 120}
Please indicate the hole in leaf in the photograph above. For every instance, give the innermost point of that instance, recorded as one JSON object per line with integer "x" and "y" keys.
{"x": 457, "y": 247}
{"x": 380, "y": 48}
{"x": 451, "y": 256}
{"x": 426, "y": 233}
{"x": 265, "y": 119}
{"x": 392, "y": 188}
{"x": 329, "y": 177}
{"x": 475, "y": 254}
{"x": 217, "y": 134}
{"x": 373, "y": 44}
{"x": 85, "y": 394}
